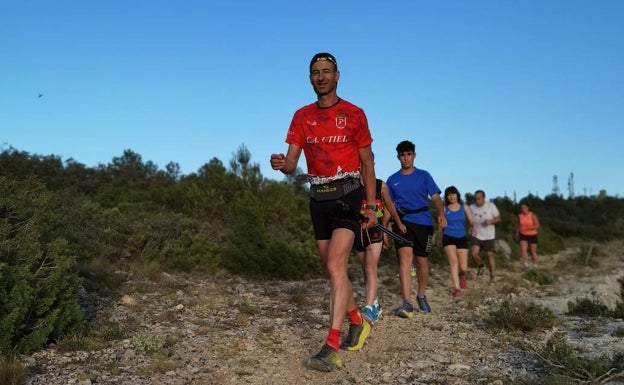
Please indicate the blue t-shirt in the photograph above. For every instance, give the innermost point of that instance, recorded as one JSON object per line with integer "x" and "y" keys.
{"x": 411, "y": 192}
{"x": 456, "y": 222}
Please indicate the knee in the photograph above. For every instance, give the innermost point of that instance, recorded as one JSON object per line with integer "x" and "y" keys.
{"x": 335, "y": 270}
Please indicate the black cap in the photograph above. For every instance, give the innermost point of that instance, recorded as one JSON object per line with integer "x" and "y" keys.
{"x": 324, "y": 56}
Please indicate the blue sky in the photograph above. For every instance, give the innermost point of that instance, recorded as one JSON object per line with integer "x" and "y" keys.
{"x": 496, "y": 95}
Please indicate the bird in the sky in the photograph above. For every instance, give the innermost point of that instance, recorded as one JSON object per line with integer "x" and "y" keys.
{"x": 40, "y": 95}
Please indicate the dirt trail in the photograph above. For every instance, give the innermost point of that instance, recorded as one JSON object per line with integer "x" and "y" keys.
{"x": 227, "y": 330}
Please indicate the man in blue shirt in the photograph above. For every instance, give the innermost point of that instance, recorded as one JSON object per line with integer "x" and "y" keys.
{"x": 411, "y": 189}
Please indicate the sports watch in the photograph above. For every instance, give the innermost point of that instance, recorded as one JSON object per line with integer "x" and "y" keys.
{"x": 373, "y": 207}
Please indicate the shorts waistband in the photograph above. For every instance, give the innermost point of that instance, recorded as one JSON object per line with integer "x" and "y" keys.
{"x": 334, "y": 190}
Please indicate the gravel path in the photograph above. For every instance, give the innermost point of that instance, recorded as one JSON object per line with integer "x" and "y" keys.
{"x": 226, "y": 330}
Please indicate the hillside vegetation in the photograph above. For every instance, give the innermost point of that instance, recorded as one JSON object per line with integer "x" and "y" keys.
{"x": 65, "y": 226}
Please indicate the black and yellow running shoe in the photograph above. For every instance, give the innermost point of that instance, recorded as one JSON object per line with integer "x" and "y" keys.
{"x": 326, "y": 360}
{"x": 356, "y": 336}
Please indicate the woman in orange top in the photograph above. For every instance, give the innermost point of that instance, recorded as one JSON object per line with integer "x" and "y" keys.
{"x": 526, "y": 229}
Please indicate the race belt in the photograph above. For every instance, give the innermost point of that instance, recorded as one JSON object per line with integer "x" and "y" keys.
{"x": 334, "y": 190}
{"x": 402, "y": 211}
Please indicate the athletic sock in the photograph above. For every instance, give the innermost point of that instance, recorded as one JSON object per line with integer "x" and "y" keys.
{"x": 355, "y": 316}
{"x": 333, "y": 338}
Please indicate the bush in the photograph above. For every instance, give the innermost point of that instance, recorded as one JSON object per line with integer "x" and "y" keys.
{"x": 549, "y": 242}
{"x": 541, "y": 277}
{"x": 522, "y": 316}
{"x": 38, "y": 283}
{"x": 175, "y": 242}
{"x": 96, "y": 336}
{"x": 589, "y": 255}
{"x": 251, "y": 252}
{"x": 589, "y": 308}
{"x": 154, "y": 346}
{"x": 586, "y": 307}
{"x": 566, "y": 366}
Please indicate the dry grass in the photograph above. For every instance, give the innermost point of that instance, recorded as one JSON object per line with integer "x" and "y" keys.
{"x": 158, "y": 366}
{"x": 11, "y": 371}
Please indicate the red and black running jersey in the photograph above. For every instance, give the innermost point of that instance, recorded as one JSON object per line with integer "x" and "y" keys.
{"x": 331, "y": 139}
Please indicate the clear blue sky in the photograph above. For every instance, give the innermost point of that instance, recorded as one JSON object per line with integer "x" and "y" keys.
{"x": 498, "y": 95}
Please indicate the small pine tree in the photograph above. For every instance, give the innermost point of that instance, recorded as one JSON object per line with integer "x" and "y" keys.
{"x": 38, "y": 282}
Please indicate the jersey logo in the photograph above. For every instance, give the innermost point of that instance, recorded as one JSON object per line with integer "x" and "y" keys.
{"x": 341, "y": 121}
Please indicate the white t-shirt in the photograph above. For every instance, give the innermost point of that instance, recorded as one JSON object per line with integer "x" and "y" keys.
{"x": 481, "y": 214}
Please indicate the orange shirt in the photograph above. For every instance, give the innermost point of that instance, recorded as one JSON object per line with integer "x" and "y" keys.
{"x": 526, "y": 221}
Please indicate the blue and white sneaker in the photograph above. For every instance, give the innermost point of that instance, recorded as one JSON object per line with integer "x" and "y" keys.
{"x": 369, "y": 314}
{"x": 377, "y": 309}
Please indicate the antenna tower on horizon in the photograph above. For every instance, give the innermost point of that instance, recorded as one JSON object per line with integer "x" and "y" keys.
{"x": 571, "y": 185}
{"x": 555, "y": 189}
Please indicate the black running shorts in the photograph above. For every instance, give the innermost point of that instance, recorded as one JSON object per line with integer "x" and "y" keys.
{"x": 460, "y": 243}
{"x": 420, "y": 235}
{"x": 334, "y": 214}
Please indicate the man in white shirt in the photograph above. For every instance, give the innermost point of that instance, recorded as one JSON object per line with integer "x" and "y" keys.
{"x": 487, "y": 216}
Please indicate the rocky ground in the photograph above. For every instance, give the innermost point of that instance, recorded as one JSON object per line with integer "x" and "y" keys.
{"x": 226, "y": 330}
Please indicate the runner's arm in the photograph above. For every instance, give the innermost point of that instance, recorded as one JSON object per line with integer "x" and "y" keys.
{"x": 440, "y": 207}
{"x": 286, "y": 163}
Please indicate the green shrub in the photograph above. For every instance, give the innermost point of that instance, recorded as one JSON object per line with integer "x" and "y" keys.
{"x": 588, "y": 308}
{"x": 80, "y": 341}
{"x": 250, "y": 251}
{"x": 101, "y": 275}
{"x": 566, "y": 365}
{"x": 549, "y": 242}
{"x": 247, "y": 307}
{"x": 38, "y": 282}
{"x": 522, "y": 316}
{"x": 588, "y": 255}
{"x": 153, "y": 346}
{"x": 148, "y": 344}
{"x": 96, "y": 336}
{"x": 618, "y": 312}
{"x": 541, "y": 277}
{"x": 175, "y": 241}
